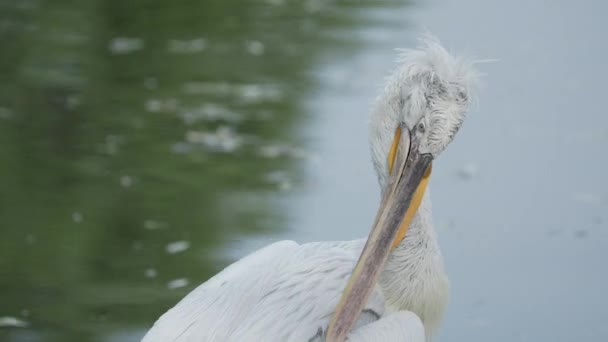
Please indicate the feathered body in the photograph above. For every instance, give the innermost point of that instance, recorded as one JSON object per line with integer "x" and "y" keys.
{"x": 288, "y": 292}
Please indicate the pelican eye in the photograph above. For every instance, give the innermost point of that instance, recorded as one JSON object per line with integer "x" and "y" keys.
{"x": 421, "y": 127}
{"x": 462, "y": 95}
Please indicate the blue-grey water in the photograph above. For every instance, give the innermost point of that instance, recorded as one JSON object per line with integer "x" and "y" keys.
{"x": 145, "y": 145}
{"x": 520, "y": 198}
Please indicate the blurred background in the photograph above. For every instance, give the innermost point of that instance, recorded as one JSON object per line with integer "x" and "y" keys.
{"x": 146, "y": 144}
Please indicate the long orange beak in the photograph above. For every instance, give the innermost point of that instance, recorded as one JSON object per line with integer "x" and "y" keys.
{"x": 409, "y": 173}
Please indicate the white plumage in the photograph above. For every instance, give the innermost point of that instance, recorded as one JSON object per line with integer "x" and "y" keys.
{"x": 283, "y": 292}
{"x": 289, "y": 292}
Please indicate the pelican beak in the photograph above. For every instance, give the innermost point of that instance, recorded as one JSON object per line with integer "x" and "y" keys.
{"x": 409, "y": 172}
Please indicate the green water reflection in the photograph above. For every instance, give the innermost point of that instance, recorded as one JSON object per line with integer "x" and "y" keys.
{"x": 126, "y": 126}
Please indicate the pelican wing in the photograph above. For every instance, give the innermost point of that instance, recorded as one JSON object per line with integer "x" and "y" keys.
{"x": 400, "y": 326}
{"x": 283, "y": 292}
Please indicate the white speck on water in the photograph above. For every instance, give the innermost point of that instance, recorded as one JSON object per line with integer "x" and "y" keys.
{"x": 273, "y": 151}
{"x": 181, "y": 148}
{"x": 125, "y": 45}
{"x": 72, "y": 102}
{"x": 209, "y": 112}
{"x": 280, "y": 178}
{"x": 112, "y": 144}
{"x": 210, "y": 88}
{"x": 587, "y": 198}
{"x": 156, "y": 105}
{"x": 25, "y": 312}
{"x": 153, "y": 105}
{"x": 177, "y": 247}
{"x": 137, "y": 245}
{"x": 224, "y": 139}
{"x": 126, "y": 181}
{"x": 150, "y": 83}
{"x": 155, "y": 225}
{"x": 31, "y": 239}
{"x": 178, "y": 283}
{"x": 254, "y": 47}
{"x": 313, "y": 6}
{"x": 5, "y": 113}
{"x": 257, "y": 93}
{"x": 468, "y": 171}
{"x": 77, "y": 217}
{"x": 187, "y": 46}
{"x": 150, "y": 273}
{"x": 12, "y": 322}
{"x": 243, "y": 93}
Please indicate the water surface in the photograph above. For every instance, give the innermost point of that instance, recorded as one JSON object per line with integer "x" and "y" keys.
{"x": 145, "y": 145}
{"x": 142, "y": 142}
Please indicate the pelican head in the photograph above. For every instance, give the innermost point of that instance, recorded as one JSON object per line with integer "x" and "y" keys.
{"x": 413, "y": 121}
{"x": 426, "y": 98}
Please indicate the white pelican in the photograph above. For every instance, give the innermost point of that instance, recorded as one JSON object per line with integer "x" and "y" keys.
{"x": 398, "y": 289}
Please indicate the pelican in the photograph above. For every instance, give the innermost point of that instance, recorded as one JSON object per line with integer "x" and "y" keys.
{"x": 391, "y": 286}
